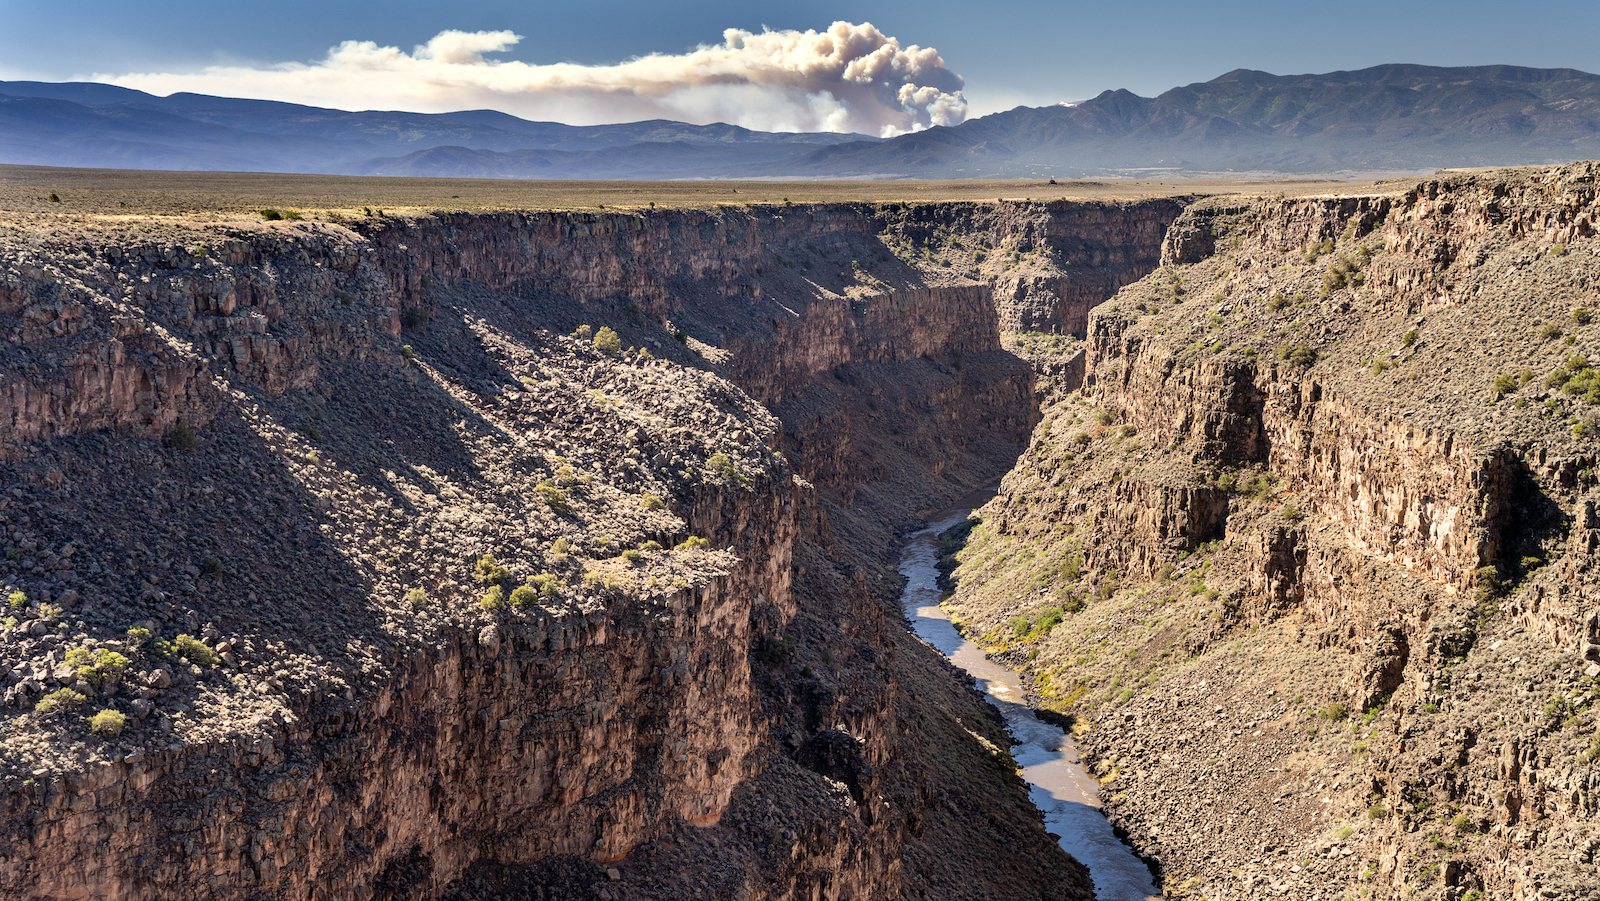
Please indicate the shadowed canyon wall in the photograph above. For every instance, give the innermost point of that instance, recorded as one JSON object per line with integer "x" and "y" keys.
{"x": 306, "y": 447}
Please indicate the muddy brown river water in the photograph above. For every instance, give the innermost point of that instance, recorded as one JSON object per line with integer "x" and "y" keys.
{"x": 1058, "y": 783}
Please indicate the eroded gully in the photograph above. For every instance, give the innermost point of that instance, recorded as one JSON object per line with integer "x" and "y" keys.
{"x": 1058, "y": 783}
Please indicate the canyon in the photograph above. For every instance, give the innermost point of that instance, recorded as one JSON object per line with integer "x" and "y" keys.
{"x": 536, "y": 553}
{"x": 270, "y": 486}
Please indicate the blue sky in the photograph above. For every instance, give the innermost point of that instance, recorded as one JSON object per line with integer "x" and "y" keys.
{"x": 1025, "y": 52}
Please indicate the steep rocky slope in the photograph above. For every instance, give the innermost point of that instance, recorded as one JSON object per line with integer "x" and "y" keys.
{"x": 1309, "y": 558}
{"x": 468, "y": 555}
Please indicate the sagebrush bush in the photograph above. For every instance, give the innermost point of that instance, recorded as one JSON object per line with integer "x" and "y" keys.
{"x": 490, "y": 572}
{"x": 194, "y": 650}
{"x": 56, "y": 701}
{"x": 493, "y": 599}
{"x": 607, "y": 341}
{"x": 108, "y": 723}
{"x": 96, "y": 667}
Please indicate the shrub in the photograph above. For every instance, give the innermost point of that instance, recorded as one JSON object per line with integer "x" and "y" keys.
{"x": 693, "y": 543}
{"x": 1582, "y": 316}
{"x": 54, "y": 198}
{"x": 1377, "y": 811}
{"x": 1504, "y": 384}
{"x": 554, "y": 497}
{"x": 523, "y": 595}
{"x": 194, "y": 650}
{"x": 490, "y": 572}
{"x": 210, "y": 567}
{"x": 417, "y": 598}
{"x": 1291, "y": 512}
{"x": 58, "y": 700}
{"x": 1278, "y": 301}
{"x": 607, "y": 342}
{"x": 560, "y": 549}
{"x": 97, "y": 667}
{"x": 1489, "y": 583}
{"x": 271, "y": 215}
{"x": 407, "y": 352}
{"x": 1550, "y": 332}
{"x": 108, "y": 723}
{"x": 632, "y": 555}
{"x": 1298, "y": 355}
{"x": 723, "y": 466}
{"x": 1333, "y": 712}
{"x": 183, "y": 437}
{"x": 17, "y": 599}
{"x": 138, "y": 636}
{"x": 493, "y": 599}
{"x": 1409, "y": 339}
{"x": 547, "y": 584}
{"x": 652, "y": 502}
{"x": 415, "y": 318}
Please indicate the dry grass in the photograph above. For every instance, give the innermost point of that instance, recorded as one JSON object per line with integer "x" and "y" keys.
{"x": 135, "y": 192}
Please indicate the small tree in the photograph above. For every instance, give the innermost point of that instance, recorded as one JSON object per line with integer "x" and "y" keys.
{"x": 607, "y": 341}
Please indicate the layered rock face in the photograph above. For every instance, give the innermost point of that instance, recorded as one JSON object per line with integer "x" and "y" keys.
{"x": 1314, "y": 539}
{"x": 386, "y": 576}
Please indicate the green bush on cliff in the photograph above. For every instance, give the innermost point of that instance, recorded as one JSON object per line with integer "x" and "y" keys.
{"x": 194, "y": 650}
{"x": 1300, "y": 355}
{"x": 490, "y": 572}
{"x": 56, "y": 701}
{"x": 108, "y": 723}
{"x": 607, "y": 341}
{"x": 96, "y": 667}
{"x": 553, "y": 497}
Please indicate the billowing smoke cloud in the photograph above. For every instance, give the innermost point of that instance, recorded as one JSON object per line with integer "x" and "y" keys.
{"x": 850, "y": 78}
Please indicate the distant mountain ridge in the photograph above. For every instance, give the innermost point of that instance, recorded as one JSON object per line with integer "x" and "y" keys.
{"x": 1386, "y": 118}
{"x": 98, "y": 125}
{"x": 1395, "y": 117}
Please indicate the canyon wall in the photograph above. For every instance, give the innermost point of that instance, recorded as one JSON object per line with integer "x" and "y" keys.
{"x": 322, "y": 448}
{"x": 1315, "y": 539}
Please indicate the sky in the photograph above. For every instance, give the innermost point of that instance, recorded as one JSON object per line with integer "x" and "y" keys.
{"x": 922, "y": 63}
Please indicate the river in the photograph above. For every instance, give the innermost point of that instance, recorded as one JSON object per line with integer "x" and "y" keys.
{"x": 1058, "y": 783}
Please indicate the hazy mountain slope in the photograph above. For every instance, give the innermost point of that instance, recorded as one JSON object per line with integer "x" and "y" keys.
{"x": 1386, "y": 117}
{"x": 1389, "y": 118}
{"x": 85, "y": 124}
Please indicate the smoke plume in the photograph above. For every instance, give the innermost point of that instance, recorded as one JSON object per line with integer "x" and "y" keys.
{"x": 849, "y": 78}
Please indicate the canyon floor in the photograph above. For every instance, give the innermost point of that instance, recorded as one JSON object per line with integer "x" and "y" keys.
{"x": 460, "y": 539}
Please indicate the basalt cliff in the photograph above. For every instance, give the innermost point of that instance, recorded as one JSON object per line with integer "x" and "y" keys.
{"x": 1304, "y": 545}
{"x": 516, "y": 555}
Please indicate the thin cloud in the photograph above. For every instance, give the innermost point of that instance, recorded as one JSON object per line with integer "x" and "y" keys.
{"x": 849, "y": 78}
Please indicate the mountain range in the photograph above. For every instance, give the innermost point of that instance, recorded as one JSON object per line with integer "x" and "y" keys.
{"x": 1391, "y": 118}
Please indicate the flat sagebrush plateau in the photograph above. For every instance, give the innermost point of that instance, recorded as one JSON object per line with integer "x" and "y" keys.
{"x": 137, "y": 193}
